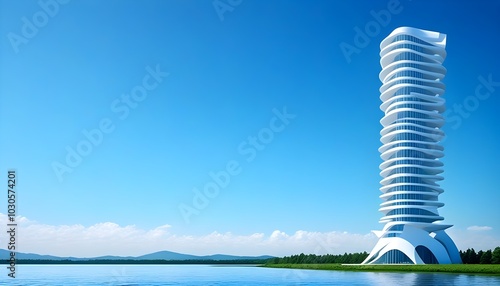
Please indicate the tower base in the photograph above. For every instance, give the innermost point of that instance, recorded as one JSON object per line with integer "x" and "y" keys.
{"x": 415, "y": 246}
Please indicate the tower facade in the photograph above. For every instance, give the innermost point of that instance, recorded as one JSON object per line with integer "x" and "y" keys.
{"x": 412, "y": 103}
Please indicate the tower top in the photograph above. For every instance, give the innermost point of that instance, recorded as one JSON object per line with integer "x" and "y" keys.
{"x": 435, "y": 38}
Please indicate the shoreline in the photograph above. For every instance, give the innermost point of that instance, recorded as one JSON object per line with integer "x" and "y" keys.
{"x": 483, "y": 269}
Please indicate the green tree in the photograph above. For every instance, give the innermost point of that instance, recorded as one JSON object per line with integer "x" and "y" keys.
{"x": 495, "y": 256}
{"x": 301, "y": 258}
{"x": 486, "y": 257}
{"x": 466, "y": 256}
{"x": 472, "y": 256}
{"x": 478, "y": 257}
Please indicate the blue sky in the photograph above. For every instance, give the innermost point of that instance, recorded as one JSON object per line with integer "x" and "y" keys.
{"x": 207, "y": 79}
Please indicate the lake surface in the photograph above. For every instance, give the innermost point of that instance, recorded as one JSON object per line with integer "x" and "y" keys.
{"x": 135, "y": 275}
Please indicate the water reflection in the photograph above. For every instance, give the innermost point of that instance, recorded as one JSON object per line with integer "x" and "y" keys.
{"x": 411, "y": 279}
{"x": 318, "y": 277}
{"x": 420, "y": 279}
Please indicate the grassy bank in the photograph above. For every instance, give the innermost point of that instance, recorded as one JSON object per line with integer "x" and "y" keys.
{"x": 489, "y": 269}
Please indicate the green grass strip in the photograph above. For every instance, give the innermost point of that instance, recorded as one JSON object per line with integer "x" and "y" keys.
{"x": 489, "y": 269}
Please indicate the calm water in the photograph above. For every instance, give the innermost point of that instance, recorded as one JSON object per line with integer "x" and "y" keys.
{"x": 133, "y": 275}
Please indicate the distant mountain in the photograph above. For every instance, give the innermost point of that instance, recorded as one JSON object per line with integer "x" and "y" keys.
{"x": 168, "y": 255}
{"x": 160, "y": 255}
{"x": 5, "y": 254}
{"x": 110, "y": 257}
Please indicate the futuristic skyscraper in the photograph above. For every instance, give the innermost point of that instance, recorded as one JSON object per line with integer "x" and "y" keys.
{"x": 411, "y": 95}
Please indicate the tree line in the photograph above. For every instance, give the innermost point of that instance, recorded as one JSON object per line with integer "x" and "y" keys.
{"x": 348, "y": 258}
{"x": 470, "y": 256}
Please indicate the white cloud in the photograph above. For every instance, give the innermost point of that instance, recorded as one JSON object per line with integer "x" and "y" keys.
{"x": 109, "y": 238}
{"x": 277, "y": 235}
{"x": 158, "y": 231}
{"x": 479, "y": 228}
{"x": 479, "y": 240}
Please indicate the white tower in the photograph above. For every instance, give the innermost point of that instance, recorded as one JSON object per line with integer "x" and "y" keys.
{"x": 411, "y": 95}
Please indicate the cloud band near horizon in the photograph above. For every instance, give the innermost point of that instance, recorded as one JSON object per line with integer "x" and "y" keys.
{"x": 108, "y": 238}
